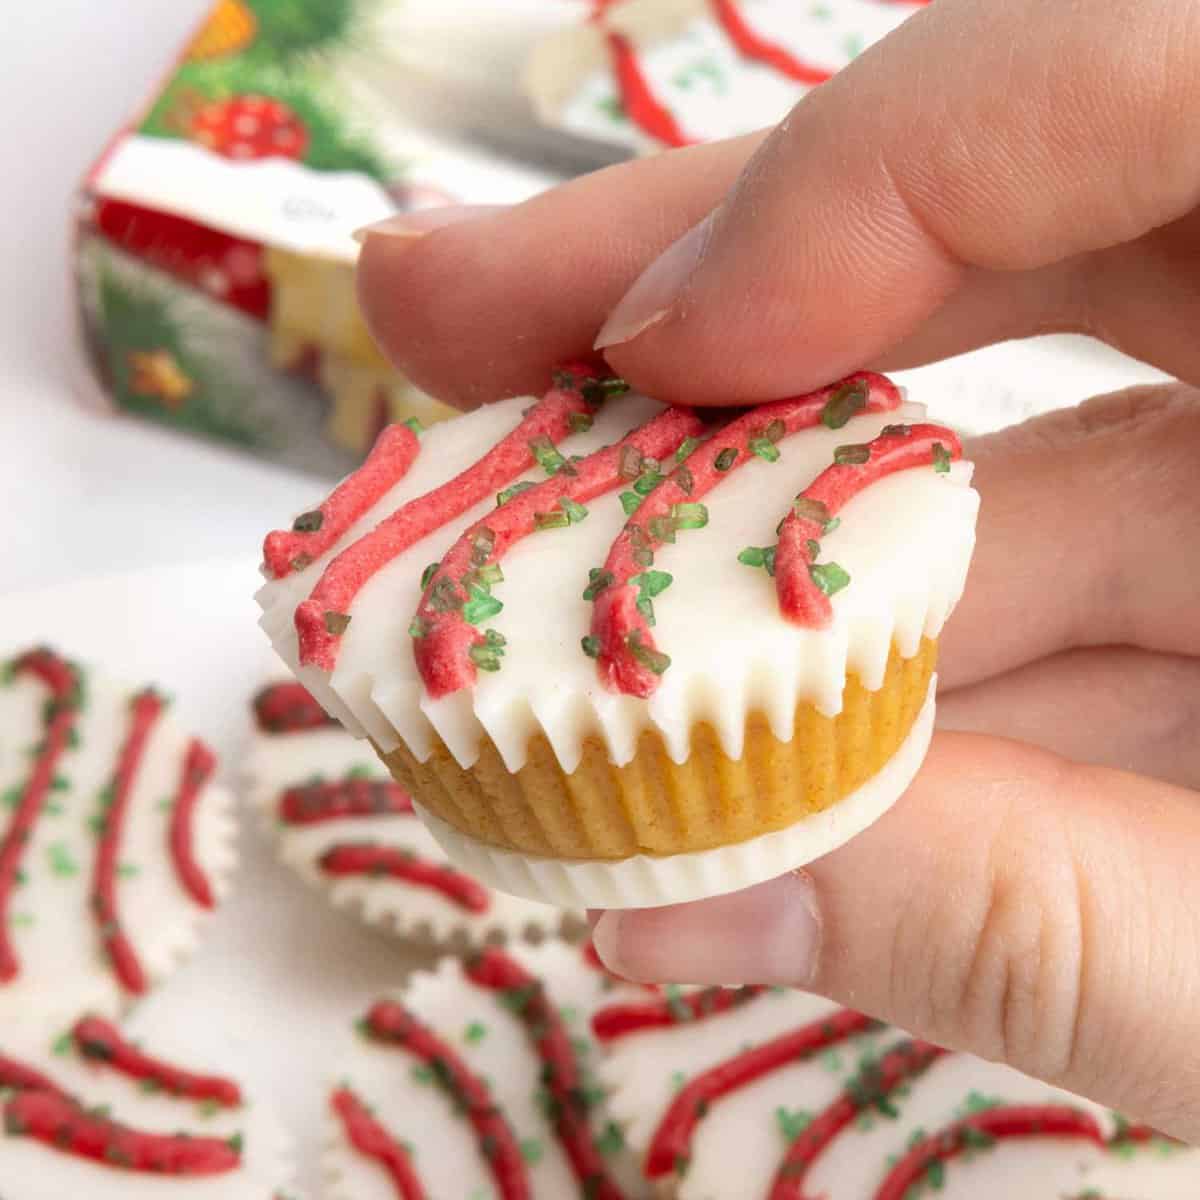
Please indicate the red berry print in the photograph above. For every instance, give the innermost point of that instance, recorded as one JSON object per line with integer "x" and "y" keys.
{"x": 250, "y": 127}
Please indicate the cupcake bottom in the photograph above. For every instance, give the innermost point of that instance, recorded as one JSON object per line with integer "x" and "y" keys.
{"x": 711, "y": 823}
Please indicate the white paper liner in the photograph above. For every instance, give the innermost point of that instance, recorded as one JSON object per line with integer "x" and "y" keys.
{"x": 443, "y": 1146}
{"x": 644, "y": 1071}
{"x": 54, "y": 931}
{"x": 646, "y": 881}
{"x": 278, "y": 761}
{"x": 29, "y": 1170}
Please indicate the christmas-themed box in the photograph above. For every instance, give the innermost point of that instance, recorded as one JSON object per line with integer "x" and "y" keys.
{"x": 214, "y": 255}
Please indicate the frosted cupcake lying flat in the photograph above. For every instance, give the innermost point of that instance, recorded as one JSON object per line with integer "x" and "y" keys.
{"x": 621, "y": 655}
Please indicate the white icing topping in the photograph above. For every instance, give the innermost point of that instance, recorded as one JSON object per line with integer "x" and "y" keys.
{"x": 31, "y": 1170}
{"x": 52, "y": 925}
{"x": 695, "y": 71}
{"x": 644, "y": 1070}
{"x": 906, "y": 542}
{"x": 495, "y": 1044}
{"x": 279, "y": 761}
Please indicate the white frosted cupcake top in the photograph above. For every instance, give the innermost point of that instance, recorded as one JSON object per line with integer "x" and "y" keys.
{"x": 609, "y": 618}
{"x": 737, "y": 1095}
{"x": 114, "y": 843}
{"x": 644, "y": 74}
{"x": 134, "y": 1113}
{"x": 478, "y": 1082}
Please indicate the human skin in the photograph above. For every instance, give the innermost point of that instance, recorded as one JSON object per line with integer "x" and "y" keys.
{"x": 988, "y": 171}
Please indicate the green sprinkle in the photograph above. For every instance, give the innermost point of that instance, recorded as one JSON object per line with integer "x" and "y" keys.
{"x": 630, "y": 502}
{"x": 61, "y": 862}
{"x": 474, "y": 1033}
{"x": 336, "y": 623}
{"x": 580, "y": 422}
{"x": 684, "y": 480}
{"x": 128, "y": 870}
{"x": 596, "y": 391}
{"x": 678, "y": 1079}
{"x": 591, "y": 646}
{"x": 575, "y": 512}
{"x": 548, "y": 458}
{"x": 814, "y": 548}
{"x": 531, "y": 1150}
{"x": 830, "y": 526}
{"x": 759, "y": 556}
{"x": 600, "y": 580}
{"x": 792, "y": 1122}
{"x": 414, "y": 424}
{"x": 653, "y": 583}
{"x": 518, "y": 999}
{"x": 662, "y": 529}
{"x": 726, "y": 458}
{"x": 428, "y": 574}
{"x": 689, "y": 516}
{"x": 775, "y": 431}
{"x": 653, "y": 660}
{"x": 555, "y": 519}
{"x": 418, "y": 628}
{"x": 11, "y": 798}
{"x": 63, "y": 1044}
{"x": 829, "y": 577}
{"x": 853, "y": 455}
{"x": 480, "y": 606}
{"x": 811, "y": 510}
{"x": 765, "y": 449}
{"x": 610, "y": 1140}
{"x": 629, "y": 463}
{"x": 686, "y": 447}
{"x": 846, "y": 402}
{"x": 897, "y": 430}
{"x": 647, "y": 481}
{"x": 509, "y": 492}
{"x": 309, "y": 522}
{"x": 941, "y": 459}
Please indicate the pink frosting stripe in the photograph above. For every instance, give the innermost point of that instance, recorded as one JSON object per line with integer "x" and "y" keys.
{"x": 443, "y": 651}
{"x": 322, "y": 618}
{"x": 897, "y": 448}
{"x": 394, "y": 452}
{"x": 623, "y": 632}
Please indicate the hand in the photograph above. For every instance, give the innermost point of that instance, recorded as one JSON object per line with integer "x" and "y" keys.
{"x": 989, "y": 171}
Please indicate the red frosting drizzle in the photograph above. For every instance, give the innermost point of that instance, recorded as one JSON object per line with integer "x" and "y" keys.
{"x": 146, "y": 708}
{"x": 289, "y": 708}
{"x": 62, "y": 1124}
{"x": 982, "y": 1129}
{"x": 16, "y": 1076}
{"x": 392, "y": 1024}
{"x": 443, "y": 649}
{"x": 641, "y": 106}
{"x": 64, "y": 681}
{"x": 391, "y": 862}
{"x": 316, "y": 803}
{"x": 620, "y": 1020}
{"x": 321, "y": 619}
{"x": 623, "y": 632}
{"x": 198, "y": 767}
{"x": 670, "y": 1149}
{"x": 315, "y": 532}
{"x": 897, "y": 448}
{"x": 872, "y": 1087}
{"x": 525, "y": 996}
{"x": 371, "y": 1140}
{"x": 754, "y": 45}
{"x": 101, "y": 1041}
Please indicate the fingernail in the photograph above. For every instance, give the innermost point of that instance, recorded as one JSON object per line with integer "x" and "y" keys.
{"x": 656, "y": 289}
{"x": 425, "y": 220}
{"x": 769, "y": 934}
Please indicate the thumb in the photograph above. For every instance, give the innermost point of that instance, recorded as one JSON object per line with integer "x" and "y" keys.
{"x": 1011, "y": 904}
{"x": 935, "y": 196}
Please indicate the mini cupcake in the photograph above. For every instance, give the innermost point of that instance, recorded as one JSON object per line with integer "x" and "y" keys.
{"x": 478, "y": 1081}
{"x": 115, "y": 842}
{"x": 98, "y": 1115}
{"x": 343, "y": 824}
{"x": 622, "y": 655}
{"x": 822, "y": 1101}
